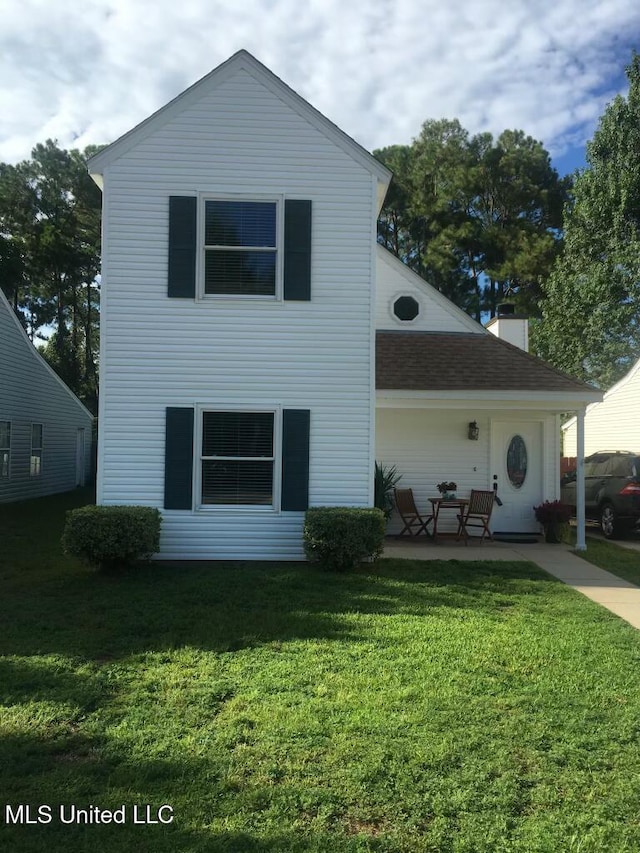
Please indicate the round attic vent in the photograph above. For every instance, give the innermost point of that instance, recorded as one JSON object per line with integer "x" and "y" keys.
{"x": 406, "y": 308}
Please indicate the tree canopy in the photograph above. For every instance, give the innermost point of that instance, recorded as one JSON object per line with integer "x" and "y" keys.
{"x": 50, "y": 258}
{"x": 591, "y": 307}
{"x": 478, "y": 218}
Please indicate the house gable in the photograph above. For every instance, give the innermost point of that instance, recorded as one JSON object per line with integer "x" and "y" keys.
{"x": 611, "y": 424}
{"x": 435, "y": 313}
{"x": 242, "y": 61}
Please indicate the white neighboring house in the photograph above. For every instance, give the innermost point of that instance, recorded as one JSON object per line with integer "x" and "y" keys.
{"x": 611, "y": 424}
{"x": 240, "y": 320}
{"x": 45, "y": 431}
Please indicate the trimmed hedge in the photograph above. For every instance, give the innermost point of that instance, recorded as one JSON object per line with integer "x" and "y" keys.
{"x": 340, "y": 537}
{"x": 108, "y": 537}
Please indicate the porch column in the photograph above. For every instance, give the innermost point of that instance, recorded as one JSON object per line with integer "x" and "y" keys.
{"x": 581, "y": 544}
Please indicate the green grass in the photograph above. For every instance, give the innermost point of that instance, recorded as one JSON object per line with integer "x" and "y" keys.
{"x": 621, "y": 561}
{"x": 443, "y": 707}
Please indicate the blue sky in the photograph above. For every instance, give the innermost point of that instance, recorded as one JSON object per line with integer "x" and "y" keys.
{"x": 87, "y": 72}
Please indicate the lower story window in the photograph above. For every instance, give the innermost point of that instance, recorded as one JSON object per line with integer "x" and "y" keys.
{"x": 237, "y": 458}
{"x": 5, "y": 448}
{"x": 35, "y": 468}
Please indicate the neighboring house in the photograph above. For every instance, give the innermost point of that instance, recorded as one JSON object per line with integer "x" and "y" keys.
{"x": 239, "y": 315}
{"x": 611, "y": 424}
{"x": 45, "y": 431}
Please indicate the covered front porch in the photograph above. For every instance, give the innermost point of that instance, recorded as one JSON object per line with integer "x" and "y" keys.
{"x": 479, "y": 442}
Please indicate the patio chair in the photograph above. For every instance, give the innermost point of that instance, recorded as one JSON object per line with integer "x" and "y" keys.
{"x": 414, "y": 523}
{"x": 477, "y": 514}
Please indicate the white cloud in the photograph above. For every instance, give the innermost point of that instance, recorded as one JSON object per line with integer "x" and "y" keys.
{"x": 86, "y": 73}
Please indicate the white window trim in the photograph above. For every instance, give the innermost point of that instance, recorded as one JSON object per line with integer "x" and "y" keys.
{"x": 274, "y": 509}
{"x": 40, "y": 449}
{"x": 278, "y": 200}
{"x": 7, "y": 449}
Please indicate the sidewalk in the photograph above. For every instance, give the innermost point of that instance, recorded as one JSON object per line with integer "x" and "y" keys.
{"x": 617, "y": 595}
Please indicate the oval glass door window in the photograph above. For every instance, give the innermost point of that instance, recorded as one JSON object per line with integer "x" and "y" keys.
{"x": 517, "y": 461}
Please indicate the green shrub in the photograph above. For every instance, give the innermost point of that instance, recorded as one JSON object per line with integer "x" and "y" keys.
{"x": 340, "y": 537}
{"x": 108, "y": 537}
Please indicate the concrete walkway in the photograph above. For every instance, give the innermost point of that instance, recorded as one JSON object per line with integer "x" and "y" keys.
{"x": 617, "y": 595}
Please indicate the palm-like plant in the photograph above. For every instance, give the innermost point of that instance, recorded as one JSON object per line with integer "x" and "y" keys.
{"x": 386, "y": 477}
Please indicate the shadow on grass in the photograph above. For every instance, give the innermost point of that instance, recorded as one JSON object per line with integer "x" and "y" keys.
{"x": 229, "y": 606}
{"x": 84, "y": 773}
{"x": 51, "y": 605}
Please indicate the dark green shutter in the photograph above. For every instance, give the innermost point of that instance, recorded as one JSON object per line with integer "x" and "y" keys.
{"x": 178, "y": 459}
{"x": 182, "y": 246}
{"x": 295, "y": 459}
{"x": 297, "y": 249}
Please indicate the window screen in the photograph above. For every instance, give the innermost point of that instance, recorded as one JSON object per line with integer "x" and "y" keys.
{"x": 240, "y": 248}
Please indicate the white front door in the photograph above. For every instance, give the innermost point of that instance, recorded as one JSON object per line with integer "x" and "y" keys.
{"x": 516, "y": 468}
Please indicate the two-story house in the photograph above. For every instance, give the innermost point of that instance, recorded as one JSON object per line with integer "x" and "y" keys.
{"x": 239, "y": 316}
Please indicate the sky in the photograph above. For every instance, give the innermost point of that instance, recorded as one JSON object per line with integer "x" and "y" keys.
{"x": 86, "y": 71}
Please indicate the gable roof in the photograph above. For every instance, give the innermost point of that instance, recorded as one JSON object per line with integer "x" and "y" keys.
{"x": 448, "y": 361}
{"x": 242, "y": 60}
{"x": 432, "y": 293}
{"x": 42, "y": 362}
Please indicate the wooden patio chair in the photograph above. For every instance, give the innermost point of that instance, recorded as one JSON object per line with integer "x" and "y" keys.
{"x": 411, "y": 518}
{"x": 477, "y": 514}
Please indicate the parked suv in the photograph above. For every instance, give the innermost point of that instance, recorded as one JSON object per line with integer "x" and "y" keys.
{"x": 611, "y": 490}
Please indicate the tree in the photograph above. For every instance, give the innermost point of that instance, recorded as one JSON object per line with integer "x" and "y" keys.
{"x": 476, "y": 217}
{"x": 49, "y": 258}
{"x": 591, "y": 308}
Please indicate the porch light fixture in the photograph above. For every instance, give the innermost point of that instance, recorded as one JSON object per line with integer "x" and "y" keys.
{"x": 474, "y": 431}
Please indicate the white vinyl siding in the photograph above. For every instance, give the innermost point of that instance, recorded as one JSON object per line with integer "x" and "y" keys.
{"x": 394, "y": 280}
{"x": 32, "y": 393}
{"x": 240, "y": 140}
{"x": 611, "y": 424}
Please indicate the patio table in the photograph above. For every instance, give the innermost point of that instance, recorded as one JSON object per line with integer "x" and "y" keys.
{"x": 445, "y": 503}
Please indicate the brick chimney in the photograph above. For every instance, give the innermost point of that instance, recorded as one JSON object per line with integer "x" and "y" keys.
{"x": 509, "y": 326}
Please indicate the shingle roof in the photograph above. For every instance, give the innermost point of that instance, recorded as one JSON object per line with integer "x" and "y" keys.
{"x": 445, "y": 361}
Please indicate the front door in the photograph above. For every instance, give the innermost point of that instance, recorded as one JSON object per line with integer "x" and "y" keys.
{"x": 516, "y": 470}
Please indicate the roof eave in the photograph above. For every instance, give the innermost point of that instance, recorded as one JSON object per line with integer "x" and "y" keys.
{"x": 556, "y": 401}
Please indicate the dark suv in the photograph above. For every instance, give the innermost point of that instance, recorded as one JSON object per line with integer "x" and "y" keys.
{"x": 611, "y": 490}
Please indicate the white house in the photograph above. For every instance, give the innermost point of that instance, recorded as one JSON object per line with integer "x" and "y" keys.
{"x": 611, "y": 424}
{"x": 45, "y": 431}
{"x": 243, "y": 299}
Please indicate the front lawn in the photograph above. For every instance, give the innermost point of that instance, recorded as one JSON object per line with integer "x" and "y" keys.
{"x": 441, "y": 707}
{"x": 621, "y": 561}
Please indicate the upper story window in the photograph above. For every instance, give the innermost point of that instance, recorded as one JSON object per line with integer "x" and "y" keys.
{"x": 35, "y": 468}
{"x": 253, "y": 248}
{"x": 5, "y": 448}
{"x": 240, "y": 248}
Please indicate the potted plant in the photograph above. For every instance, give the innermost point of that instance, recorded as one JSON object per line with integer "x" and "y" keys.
{"x": 447, "y": 489}
{"x": 554, "y": 517}
{"x": 386, "y": 477}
